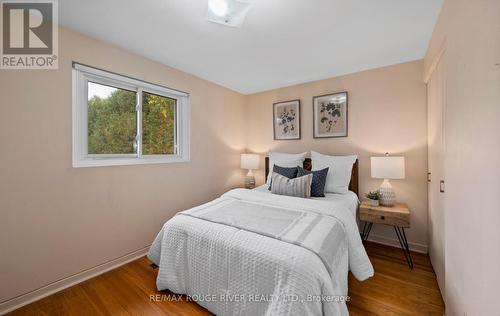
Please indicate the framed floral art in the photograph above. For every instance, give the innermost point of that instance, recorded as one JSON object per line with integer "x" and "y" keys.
{"x": 330, "y": 115}
{"x": 286, "y": 120}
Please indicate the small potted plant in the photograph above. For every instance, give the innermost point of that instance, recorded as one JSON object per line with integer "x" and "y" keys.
{"x": 374, "y": 197}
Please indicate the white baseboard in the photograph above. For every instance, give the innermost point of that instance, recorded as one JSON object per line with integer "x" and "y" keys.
{"x": 395, "y": 243}
{"x": 37, "y": 294}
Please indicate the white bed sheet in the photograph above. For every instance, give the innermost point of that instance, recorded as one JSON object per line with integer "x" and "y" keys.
{"x": 349, "y": 199}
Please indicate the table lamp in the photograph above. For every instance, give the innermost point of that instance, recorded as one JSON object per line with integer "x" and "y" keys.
{"x": 386, "y": 168}
{"x": 250, "y": 162}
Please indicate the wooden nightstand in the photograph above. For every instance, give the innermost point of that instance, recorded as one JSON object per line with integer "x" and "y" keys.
{"x": 397, "y": 216}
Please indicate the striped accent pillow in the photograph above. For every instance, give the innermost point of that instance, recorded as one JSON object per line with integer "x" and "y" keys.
{"x": 298, "y": 187}
{"x": 290, "y": 173}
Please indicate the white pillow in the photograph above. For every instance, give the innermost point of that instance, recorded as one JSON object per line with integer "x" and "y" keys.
{"x": 339, "y": 172}
{"x": 284, "y": 160}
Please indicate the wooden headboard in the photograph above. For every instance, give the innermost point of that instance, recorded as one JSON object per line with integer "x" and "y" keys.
{"x": 353, "y": 185}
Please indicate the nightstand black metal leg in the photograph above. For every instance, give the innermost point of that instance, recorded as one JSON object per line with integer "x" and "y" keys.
{"x": 400, "y": 232}
{"x": 364, "y": 232}
{"x": 407, "y": 247}
{"x": 367, "y": 227}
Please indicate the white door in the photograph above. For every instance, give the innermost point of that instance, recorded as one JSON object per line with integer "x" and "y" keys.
{"x": 436, "y": 101}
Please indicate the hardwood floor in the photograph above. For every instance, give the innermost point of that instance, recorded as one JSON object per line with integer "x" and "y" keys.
{"x": 394, "y": 290}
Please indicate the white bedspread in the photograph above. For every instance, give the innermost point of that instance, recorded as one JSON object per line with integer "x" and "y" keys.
{"x": 349, "y": 199}
{"x": 234, "y": 271}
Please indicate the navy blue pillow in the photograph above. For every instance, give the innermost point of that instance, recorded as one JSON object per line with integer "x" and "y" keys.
{"x": 289, "y": 172}
{"x": 318, "y": 181}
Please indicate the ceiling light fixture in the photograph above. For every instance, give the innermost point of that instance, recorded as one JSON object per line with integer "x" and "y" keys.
{"x": 218, "y": 7}
{"x": 227, "y": 12}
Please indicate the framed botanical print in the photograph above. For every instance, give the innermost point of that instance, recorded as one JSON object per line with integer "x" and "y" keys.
{"x": 330, "y": 115}
{"x": 286, "y": 120}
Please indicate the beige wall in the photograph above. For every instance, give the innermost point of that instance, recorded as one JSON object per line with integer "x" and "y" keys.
{"x": 437, "y": 42}
{"x": 472, "y": 155}
{"x": 387, "y": 113}
{"x": 56, "y": 220}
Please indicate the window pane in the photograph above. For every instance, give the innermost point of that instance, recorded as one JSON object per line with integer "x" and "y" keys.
{"x": 112, "y": 125}
{"x": 158, "y": 124}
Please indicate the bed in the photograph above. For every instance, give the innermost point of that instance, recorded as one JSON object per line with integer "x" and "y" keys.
{"x": 251, "y": 252}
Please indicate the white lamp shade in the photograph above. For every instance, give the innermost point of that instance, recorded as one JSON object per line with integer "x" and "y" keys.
{"x": 250, "y": 161}
{"x": 388, "y": 167}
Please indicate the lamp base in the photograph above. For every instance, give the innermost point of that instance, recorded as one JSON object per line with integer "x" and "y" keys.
{"x": 249, "y": 180}
{"x": 387, "y": 194}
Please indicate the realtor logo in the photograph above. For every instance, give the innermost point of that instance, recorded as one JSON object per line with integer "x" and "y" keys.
{"x": 29, "y": 34}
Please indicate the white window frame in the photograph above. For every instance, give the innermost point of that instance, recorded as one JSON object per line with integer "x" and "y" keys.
{"x": 81, "y": 76}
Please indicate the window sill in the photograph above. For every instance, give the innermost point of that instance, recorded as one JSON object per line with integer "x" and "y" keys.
{"x": 96, "y": 162}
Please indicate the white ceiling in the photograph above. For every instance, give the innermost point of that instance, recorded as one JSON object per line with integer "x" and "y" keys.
{"x": 281, "y": 42}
